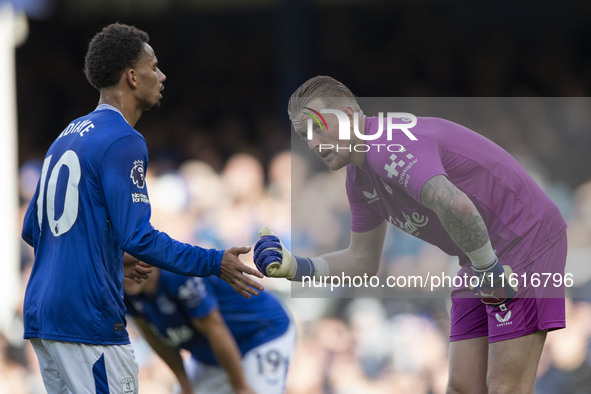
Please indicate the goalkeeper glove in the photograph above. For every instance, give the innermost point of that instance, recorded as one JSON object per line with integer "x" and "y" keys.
{"x": 493, "y": 283}
{"x": 274, "y": 260}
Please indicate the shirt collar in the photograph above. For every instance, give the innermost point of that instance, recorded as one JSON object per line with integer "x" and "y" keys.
{"x": 109, "y": 107}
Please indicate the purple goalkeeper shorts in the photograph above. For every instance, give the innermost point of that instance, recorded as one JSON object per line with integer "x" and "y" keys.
{"x": 539, "y": 304}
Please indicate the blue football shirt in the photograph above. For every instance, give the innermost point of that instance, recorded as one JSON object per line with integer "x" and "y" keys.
{"x": 91, "y": 204}
{"x": 178, "y": 299}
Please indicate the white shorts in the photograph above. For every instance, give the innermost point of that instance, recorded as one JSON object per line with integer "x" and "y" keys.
{"x": 78, "y": 368}
{"x": 265, "y": 368}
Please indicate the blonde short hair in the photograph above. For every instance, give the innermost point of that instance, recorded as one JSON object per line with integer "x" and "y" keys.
{"x": 331, "y": 91}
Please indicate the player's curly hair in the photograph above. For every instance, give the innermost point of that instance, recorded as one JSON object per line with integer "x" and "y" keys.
{"x": 333, "y": 93}
{"x": 110, "y": 51}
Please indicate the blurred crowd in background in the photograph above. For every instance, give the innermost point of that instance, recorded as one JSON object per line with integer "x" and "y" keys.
{"x": 223, "y": 164}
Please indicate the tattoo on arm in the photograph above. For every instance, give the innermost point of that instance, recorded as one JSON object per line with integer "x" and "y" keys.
{"x": 456, "y": 212}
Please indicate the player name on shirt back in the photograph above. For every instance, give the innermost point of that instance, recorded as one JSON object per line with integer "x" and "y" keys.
{"x": 79, "y": 127}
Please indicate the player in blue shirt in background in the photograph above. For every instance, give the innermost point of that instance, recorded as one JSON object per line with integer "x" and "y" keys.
{"x": 91, "y": 205}
{"x": 237, "y": 345}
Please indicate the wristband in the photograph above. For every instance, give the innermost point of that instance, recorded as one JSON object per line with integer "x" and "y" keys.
{"x": 305, "y": 267}
{"x": 495, "y": 269}
{"x": 310, "y": 267}
{"x": 483, "y": 256}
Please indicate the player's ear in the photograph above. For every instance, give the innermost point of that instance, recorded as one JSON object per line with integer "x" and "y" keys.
{"x": 350, "y": 111}
{"x": 131, "y": 77}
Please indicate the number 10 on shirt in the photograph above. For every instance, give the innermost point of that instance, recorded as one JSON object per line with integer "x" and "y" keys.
{"x": 70, "y": 199}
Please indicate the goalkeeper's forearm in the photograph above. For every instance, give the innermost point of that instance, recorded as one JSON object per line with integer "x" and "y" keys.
{"x": 335, "y": 263}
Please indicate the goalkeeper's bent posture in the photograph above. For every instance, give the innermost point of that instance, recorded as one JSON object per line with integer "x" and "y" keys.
{"x": 461, "y": 192}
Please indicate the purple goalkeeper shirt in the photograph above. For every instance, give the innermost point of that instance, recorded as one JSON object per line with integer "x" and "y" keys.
{"x": 522, "y": 221}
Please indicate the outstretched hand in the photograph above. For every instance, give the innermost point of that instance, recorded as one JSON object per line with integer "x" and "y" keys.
{"x": 233, "y": 270}
{"x": 135, "y": 269}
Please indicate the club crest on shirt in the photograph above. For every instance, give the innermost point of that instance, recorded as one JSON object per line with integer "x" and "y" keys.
{"x": 137, "y": 173}
{"x": 192, "y": 292}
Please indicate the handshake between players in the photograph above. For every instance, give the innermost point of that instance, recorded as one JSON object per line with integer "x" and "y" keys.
{"x": 273, "y": 260}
